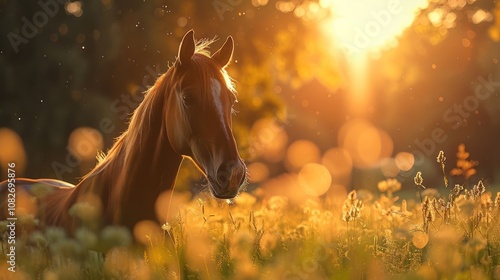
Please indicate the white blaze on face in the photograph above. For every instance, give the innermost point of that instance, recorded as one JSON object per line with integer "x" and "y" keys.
{"x": 216, "y": 91}
{"x": 219, "y": 108}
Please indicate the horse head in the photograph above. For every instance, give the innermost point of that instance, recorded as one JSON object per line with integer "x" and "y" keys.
{"x": 198, "y": 114}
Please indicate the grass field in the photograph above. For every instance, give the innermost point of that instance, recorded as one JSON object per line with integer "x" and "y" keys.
{"x": 448, "y": 232}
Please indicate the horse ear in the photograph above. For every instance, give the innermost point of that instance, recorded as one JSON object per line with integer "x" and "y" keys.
{"x": 186, "y": 49}
{"x": 224, "y": 54}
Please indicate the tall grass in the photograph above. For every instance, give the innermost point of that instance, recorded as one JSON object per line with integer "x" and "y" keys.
{"x": 449, "y": 232}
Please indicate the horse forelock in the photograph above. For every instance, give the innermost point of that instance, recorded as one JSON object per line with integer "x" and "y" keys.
{"x": 206, "y": 67}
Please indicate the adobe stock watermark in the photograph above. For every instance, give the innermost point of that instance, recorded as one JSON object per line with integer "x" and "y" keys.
{"x": 223, "y": 6}
{"x": 31, "y": 28}
{"x": 123, "y": 106}
{"x": 379, "y": 19}
{"x": 455, "y": 116}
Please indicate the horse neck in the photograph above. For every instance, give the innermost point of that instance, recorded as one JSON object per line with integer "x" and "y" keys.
{"x": 138, "y": 168}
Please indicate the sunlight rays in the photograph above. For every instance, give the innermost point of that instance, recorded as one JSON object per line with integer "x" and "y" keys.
{"x": 360, "y": 29}
{"x": 360, "y": 25}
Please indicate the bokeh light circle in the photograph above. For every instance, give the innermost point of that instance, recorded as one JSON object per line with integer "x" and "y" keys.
{"x": 300, "y": 153}
{"x": 314, "y": 179}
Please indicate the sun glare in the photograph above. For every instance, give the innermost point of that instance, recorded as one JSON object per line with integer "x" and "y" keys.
{"x": 359, "y": 26}
{"x": 363, "y": 28}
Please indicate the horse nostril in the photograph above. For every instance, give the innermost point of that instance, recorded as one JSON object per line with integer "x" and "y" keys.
{"x": 224, "y": 174}
{"x": 230, "y": 174}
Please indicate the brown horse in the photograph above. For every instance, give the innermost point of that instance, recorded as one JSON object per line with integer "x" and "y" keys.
{"x": 186, "y": 113}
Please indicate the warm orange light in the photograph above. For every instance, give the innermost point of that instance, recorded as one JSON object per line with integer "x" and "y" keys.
{"x": 268, "y": 140}
{"x": 147, "y": 232}
{"x": 12, "y": 150}
{"x": 258, "y": 172}
{"x": 338, "y": 161}
{"x": 85, "y": 142}
{"x": 363, "y": 25}
{"x": 300, "y": 153}
{"x": 169, "y": 204}
{"x": 389, "y": 168}
{"x": 405, "y": 161}
{"x": 366, "y": 144}
{"x": 314, "y": 179}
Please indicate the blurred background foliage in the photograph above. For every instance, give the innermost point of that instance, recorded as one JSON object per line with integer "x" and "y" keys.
{"x": 91, "y": 60}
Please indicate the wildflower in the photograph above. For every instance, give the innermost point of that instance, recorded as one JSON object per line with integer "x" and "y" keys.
{"x": 486, "y": 202}
{"x": 465, "y": 167}
{"x": 38, "y": 239}
{"x": 166, "y": 227}
{"x": 66, "y": 248}
{"x": 431, "y": 215}
{"x": 85, "y": 211}
{"x": 41, "y": 190}
{"x": 352, "y": 195}
{"x": 389, "y": 185}
{"x": 351, "y": 209}
{"x": 277, "y": 203}
{"x": 480, "y": 187}
{"x": 457, "y": 189}
{"x": 478, "y": 190}
{"x": 346, "y": 216}
{"x": 54, "y": 234}
{"x": 435, "y": 204}
{"x": 441, "y": 158}
{"x": 404, "y": 209}
{"x": 113, "y": 236}
{"x": 86, "y": 237}
{"x": 28, "y": 220}
{"x": 488, "y": 218}
{"x": 467, "y": 194}
{"x": 419, "y": 180}
{"x": 426, "y": 204}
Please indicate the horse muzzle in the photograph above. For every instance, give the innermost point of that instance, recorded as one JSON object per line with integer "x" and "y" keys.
{"x": 230, "y": 177}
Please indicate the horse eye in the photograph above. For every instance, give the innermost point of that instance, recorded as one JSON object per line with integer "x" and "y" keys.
{"x": 188, "y": 99}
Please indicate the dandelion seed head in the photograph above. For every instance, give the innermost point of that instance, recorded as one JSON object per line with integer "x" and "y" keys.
{"x": 54, "y": 234}
{"x": 41, "y": 190}
{"x": 67, "y": 248}
{"x": 86, "y": 237}
{"x": 115, "y": 236}
{"x": 38, "y": 238}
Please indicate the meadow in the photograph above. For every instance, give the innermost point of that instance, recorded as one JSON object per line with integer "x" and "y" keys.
{"x": 440, "y": 232}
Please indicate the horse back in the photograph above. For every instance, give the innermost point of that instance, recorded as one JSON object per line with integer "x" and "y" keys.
{"x": 11, "y": 192}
